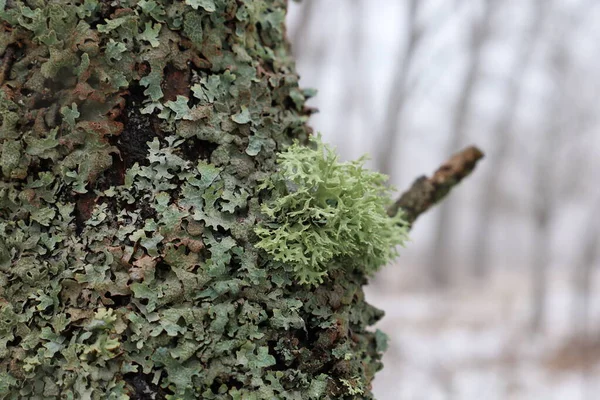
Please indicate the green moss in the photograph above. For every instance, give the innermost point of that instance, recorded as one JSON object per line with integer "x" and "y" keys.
{"x": 322, "y": 213}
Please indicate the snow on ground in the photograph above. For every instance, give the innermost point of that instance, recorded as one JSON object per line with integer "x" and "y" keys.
{"x": 473, "y": 343}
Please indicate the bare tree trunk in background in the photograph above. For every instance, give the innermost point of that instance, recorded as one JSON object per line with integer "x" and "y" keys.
{"x": 354, "y": 96}
{"x": 582, "y": 282}
{"x": 582, "y": 290}
{"x": 398, "y": 92}
{"x": 307, "y": 13}
{"x": 544, "y": 183}
{"x": 502, "y": 135}
{"x": 541, "y": 247}
{"x": 307, "y": 49}
{"x": 439, "y": 266}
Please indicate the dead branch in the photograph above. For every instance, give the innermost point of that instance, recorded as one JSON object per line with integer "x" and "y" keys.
{"x": 426, "y": 192}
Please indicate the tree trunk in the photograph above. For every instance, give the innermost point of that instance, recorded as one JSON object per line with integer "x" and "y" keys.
{"x": 133, "y": 140}
{"x": 352, "y": 106}
{"x": 545, "y": 179}
{"x": 299, "y": 36}
{"x": 439, "y": 265}
{"x": 502, "y": 135}
{"x": 583, "y": 273}
{"x": 133, "y": 136}
{"x": 544, "y": 205}
{"x": 399, "y": 92}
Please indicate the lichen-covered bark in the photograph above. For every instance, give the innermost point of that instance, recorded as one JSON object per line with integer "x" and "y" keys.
{"x": 133, "y": 136}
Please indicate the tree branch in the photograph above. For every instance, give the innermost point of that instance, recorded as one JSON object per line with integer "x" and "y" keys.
{"x": 426, "y": 192}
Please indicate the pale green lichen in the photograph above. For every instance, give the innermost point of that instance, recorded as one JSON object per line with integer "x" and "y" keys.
{"x": 322, "y": 212}
{"x": 353, "y": 385}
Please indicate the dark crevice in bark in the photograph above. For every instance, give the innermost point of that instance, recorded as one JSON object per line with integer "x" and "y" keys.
{"x": 118, "y": 300}
{"x": 138, "y": 129}
{"x": 113, "y": 176}
{"x": 83, "y": 211}
{"x": 7, "y": 62}
{"x": 176, "y": 83}
{"x": 194, "y": 149}
{"x": 143, "y": 388}
{"x": 107, "y": 8}
{"x": 226, "y": 380}
{"x": 146, "y": 212}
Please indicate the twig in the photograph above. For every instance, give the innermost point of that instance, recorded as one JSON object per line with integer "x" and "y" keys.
{"x": 425, "y": 192}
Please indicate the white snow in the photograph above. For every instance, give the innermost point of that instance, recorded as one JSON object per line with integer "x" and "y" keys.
{"x": 473, "y": 343}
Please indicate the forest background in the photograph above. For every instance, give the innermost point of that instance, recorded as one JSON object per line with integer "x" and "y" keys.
{"x": 496, "y": 297}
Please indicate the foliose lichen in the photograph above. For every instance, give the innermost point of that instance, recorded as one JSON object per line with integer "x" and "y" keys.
{"x": 323, "y": 213}
{"x": 133, "y": 138}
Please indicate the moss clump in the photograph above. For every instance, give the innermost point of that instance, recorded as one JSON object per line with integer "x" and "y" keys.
{"x": 324, "y": 212}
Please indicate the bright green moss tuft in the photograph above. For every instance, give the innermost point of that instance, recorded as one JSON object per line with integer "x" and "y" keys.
{"x": 322, "y": 210}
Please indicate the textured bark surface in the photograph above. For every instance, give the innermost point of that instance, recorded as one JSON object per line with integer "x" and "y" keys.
{"x": 133, "y": 136}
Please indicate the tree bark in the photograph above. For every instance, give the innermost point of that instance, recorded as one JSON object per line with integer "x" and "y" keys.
{"x": 133, "y": 140}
